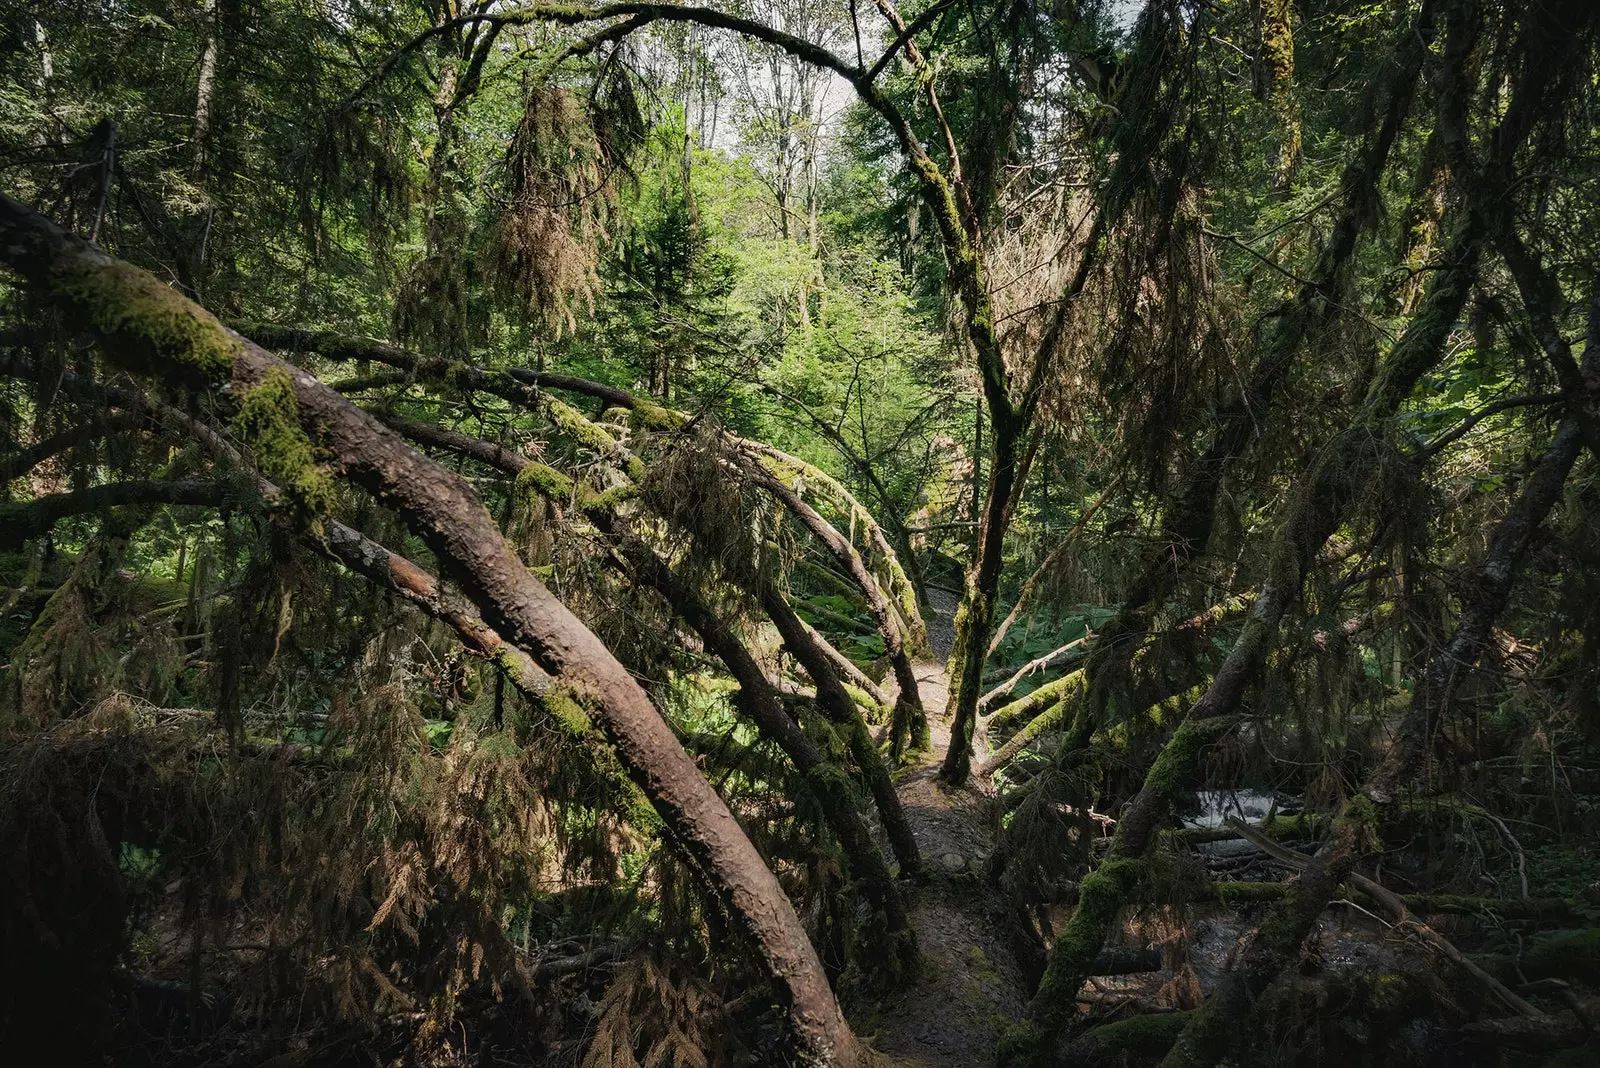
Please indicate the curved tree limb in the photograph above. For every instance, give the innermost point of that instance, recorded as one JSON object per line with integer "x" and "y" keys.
{"x": 755, "y": 699}
{"x": 522, "y": 387}
{"x": 155, "y": 331}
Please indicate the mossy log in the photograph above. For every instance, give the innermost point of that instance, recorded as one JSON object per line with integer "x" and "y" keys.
{"x": 1067, "y": 688}
{"x": 1104, "y": 891}
{"x": 1113, "y": 1043}
{"x": 1573, "y": 956}
{"x": 902, "y": 590}
{"x": 151, "y": 329}
{"x": 755, "y": 699}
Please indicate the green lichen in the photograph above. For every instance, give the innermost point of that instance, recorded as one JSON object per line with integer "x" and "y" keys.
{"x": 146, "y": 325}
{"x": 268, "y": 422}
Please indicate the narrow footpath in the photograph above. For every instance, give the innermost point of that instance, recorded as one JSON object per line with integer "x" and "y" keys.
{"x": 970, "y": 988}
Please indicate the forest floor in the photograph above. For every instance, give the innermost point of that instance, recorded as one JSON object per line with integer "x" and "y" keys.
{"x": 969, "y": 988}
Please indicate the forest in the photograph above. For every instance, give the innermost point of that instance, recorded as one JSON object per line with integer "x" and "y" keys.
{"x": 458, "y": 606}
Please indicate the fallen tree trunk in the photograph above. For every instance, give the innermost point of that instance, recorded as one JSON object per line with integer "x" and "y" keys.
{"x": 837, "y": 705}
{"x": 813, "y": 653}
{"x": 154, "y": 331}
{"x": 910, "y": 721}
{"x": 755, "y": 698}
{"x": 521, "y": 386}
{"x": 1277, "y": 945}
{"x": 904, "y": 590}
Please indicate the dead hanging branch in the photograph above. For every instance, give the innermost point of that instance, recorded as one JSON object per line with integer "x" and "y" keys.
{"x": 1317, "y": 505}
{"x": 154, "y": 331}
{"x": 1054, "y": 658}
{"x": 1189, "y": 516}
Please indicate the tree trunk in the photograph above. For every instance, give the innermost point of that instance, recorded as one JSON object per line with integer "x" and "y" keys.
{"x": 975, "y": 616}
{"x": 154, "y": 331}
{"x": 836, "y": 704}
{"x": 755, "y": 699}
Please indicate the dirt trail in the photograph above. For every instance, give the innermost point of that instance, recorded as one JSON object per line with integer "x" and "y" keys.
{"x": 970, "y": 988}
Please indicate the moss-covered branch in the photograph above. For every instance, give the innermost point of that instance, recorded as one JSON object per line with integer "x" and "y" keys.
{"x": 155, "y": 331}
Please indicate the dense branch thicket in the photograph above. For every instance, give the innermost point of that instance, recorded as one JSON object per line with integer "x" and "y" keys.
{"x": 657, "y": 534}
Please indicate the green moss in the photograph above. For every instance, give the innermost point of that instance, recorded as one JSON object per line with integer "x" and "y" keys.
{"x": 147, "y": 325}
{"x": 572, "y": 720}
{"x": 268, "y": 422}
{"x": 1069, "y": 688}
{"x": 1173, "y": 772}
{"x": 1362, "y": 813}
{"x": 609, "y": 499}
{"x": 1391, "y": 992}
{"x": 542, "y": 480}
{"x": 647, "y": 415}
{"x": 1149, "y": 1035}
{"x": 573, "y": 423}
{"x": 1101, "y": 895}
{"x": 871, "y": 709}
{"x": 1230, "y": 893}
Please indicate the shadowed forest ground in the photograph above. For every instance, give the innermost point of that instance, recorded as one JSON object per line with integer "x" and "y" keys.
{"x": 970, "y": 987}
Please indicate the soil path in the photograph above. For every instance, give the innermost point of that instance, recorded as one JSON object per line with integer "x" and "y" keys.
{"x": 969, "y": 988}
